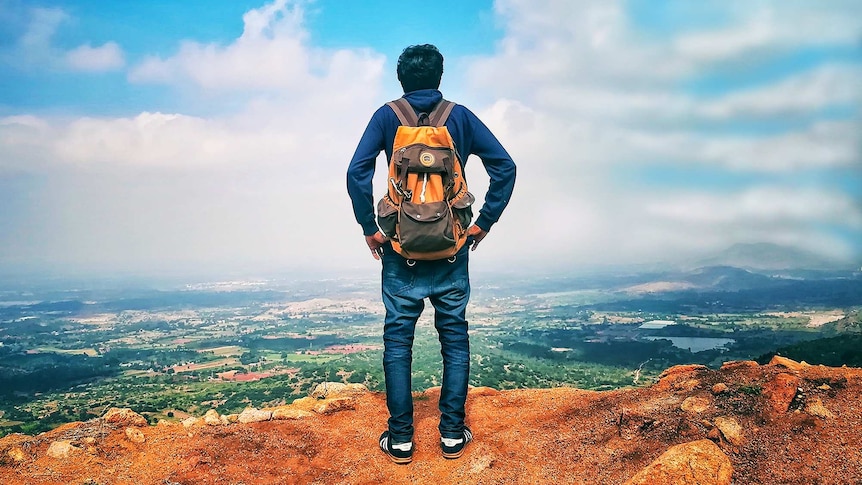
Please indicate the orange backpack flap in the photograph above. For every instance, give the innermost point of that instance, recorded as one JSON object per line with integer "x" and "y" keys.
{"x": 427, "y": 208}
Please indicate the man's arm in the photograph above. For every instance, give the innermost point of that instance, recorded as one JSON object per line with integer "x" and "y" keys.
{"x": 360, "y": 173}
{"x": 501, "y": 171}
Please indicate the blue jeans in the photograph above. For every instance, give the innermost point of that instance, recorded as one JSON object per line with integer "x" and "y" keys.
{"x": 447, "y": 285}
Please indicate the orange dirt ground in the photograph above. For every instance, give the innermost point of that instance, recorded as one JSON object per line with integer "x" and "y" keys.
{"x": 810, "y": 435}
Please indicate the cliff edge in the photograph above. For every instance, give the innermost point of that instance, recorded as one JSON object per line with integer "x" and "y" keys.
{"x": 785, "y": 422}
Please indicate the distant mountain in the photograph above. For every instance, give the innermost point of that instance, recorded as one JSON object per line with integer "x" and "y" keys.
{"x": 768, "y": 256}
{"x": 726, "y": 278}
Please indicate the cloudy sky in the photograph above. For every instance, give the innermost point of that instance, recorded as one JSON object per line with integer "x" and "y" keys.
{"x": 213, "y": 136}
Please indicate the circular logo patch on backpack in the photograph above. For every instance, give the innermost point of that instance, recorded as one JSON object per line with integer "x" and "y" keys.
{"x": 426, "y": 159}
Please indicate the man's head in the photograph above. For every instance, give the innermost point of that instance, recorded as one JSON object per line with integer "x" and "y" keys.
{"x": 420, "y": 67}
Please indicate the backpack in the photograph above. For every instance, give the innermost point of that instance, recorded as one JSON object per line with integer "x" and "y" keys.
{"x": 427, "y": 208}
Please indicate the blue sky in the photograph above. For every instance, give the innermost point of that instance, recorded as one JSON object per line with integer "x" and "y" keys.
{"x": 156, "y": 136}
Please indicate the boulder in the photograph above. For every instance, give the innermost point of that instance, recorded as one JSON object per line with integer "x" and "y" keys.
{"x": 190, "y": 421}
{"x": 779, "y": 392}
{"x": 253, "y": 415}
{"x": 135, "y": 435}
{"x": 680, "y": 377}
{"x": 682, "y": 369}
{"x": 330, "y": 406}
{"x": 815, "y": 407}
{"x": 697, "y": 463}
{"x": 788, "y": 363}
{"x": 326, "y": 390}
{"x": 212, "y": 418}
{"x": 16, "y": 454}
{"x": 739, "y": 364}
{"x": 719, "y": 388}
{"x": 731, "y": 430}
{"x": 124, "y": 417}
{"x": 289, "y": 412}
{"x": 696, "y": 404}
{"x": 62, "y": 449}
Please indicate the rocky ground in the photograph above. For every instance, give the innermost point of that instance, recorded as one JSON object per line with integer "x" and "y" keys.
{"x": 782, "y": 423}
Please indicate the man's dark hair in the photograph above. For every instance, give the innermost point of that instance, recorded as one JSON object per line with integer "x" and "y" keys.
{"x": 420, "y": 67}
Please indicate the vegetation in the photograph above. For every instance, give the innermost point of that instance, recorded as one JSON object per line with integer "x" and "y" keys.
{"x": 168, "y": 354}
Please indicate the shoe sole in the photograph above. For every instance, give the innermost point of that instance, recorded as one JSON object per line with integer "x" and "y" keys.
{"x": 452, "y": 456}
{"x": 396, "y": 460}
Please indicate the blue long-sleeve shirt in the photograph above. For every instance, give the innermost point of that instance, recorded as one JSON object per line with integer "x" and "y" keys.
{"x": 471, "y": 137}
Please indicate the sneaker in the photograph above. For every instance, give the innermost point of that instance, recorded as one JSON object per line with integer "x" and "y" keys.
{"x": 454, "y": 447}
{"x": 401, "y": 453}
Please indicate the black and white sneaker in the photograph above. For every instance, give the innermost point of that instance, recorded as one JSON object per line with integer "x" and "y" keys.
{"x": 454, "y": 447}
{"x": 400, "y": 453}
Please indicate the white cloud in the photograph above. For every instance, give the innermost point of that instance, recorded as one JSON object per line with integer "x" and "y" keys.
{"x": 36, "y": 49}
{"x": 107, "y": 57}
{"x": 581, "y": 96}
{"x": 760, "y": 28}
{"x": 272, "y": 53}
{"x": 575, "y": 92}
{"x": 808, "y": 92}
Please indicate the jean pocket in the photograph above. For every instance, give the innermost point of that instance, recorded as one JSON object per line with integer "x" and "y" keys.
{"x": 398, "y": 278}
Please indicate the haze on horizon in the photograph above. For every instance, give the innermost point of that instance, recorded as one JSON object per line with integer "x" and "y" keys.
{"x": 200, "y": 137}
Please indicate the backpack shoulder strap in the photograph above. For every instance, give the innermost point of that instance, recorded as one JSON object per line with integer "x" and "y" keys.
{"x": 441, "y": 113}
{"x": 404, "y": 112}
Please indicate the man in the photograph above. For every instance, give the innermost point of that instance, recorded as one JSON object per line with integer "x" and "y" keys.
{"x": 445, "y": 282}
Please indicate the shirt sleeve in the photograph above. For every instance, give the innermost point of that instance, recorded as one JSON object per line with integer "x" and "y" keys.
{"x": 360, "y": 173}
{"x": 501, "y": 172}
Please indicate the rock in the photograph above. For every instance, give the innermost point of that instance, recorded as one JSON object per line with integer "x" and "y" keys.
{"x": 212, "y": 418}
{"x": 190, "y": 421}
{"x": 815, "y": 407}
{"x": 337, "y": 389}
{"x": 788, "y": 363}
{"x": 780, "y": 391}
{"x": 135, "y": 435}
{"x": 682, "y": 369}
{"x": 714, "y": 434}
{"x": 232, "y": 418}
{"x": 483, "y": 391}
{"x": 687, "y": 385}
{"x": 305, "y": 403}
{"x": 124, "y": 417}
{"x": 61, "y": 449}
{"x": 17, "y": 454}
{"x": 680, "y": 377}
{"x": 698, "y": 462}
{"x": 731, "y": 430}
{"x": 252, "y": 415}
{"x": 739, "y": 364}
{"x": 288, "y": 412}
{"x": 824, "y": 387}
{"x": 695, "y": 404}
{"x": 89, "y": 440}
{"x": 330, "y": 406}
{"x": 719, "y": 388}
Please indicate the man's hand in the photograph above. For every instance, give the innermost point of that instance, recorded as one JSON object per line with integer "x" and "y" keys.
{"x": 375, "y": 244}
{"x": 478, "y": 234}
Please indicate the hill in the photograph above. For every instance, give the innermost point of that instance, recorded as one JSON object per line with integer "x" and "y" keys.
{"x": 785, "y": 422}
{"x": 768, "y": 256}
